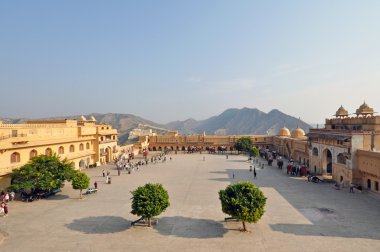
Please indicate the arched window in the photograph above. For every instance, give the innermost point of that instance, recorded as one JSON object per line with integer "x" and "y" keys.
{"x": 87, "y": 146}
{"x": 48, "y": 152}
{"x": 341, "y": 158}
{"x": 81, "y": 147}
{"x": 15, "y": 157}
{"x": 315, "y": 152}
{"x": 72, "y": 148}
{"x": 32, "y": 154}
{"x": 61, "y": 150}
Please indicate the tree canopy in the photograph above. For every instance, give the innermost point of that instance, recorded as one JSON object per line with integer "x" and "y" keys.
{"x": 243, "y": 201}
{"x": 244, "y": 144}
{"x": 149, "y": 200}
{"x": 253, "y": 152}
{"x": 80, "y": 181}
{"x": 44, "y": 172}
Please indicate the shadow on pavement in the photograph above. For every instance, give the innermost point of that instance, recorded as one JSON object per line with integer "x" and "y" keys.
{"x": 100, "y": 225}
{"x": 330, "y": 216}
{"x": 321, "y": 230}
{"x": 58, "y": 197}
{"x": 190, "y": 228}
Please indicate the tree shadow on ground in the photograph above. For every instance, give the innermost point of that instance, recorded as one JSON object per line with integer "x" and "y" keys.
{"x": 190, "y": 228}
{"x": 324, "y": 230}
{"x": 58, "y": 197}
{"x": 100, "y": 225}
{"x": 238, "y": 161}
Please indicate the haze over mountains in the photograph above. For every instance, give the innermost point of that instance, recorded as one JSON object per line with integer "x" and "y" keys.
{"x": 230, "y": 122}
{"x": 239, "y": 122}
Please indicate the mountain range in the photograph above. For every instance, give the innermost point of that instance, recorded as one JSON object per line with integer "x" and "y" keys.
{"x": 230, "y": 122}
{"x": 239, "y": 122}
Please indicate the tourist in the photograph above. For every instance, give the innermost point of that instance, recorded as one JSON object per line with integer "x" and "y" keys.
{"x": 4, "y": 208}
{"x": 352, "y": 186}
{"x": 12, "y": 195}
{"x": 6, "y": 198}
{"x": 254, "y": 172}
{"x": 96, "y": 185}
{"x": 233, "y": 175}
{"x": 104, "y": 173}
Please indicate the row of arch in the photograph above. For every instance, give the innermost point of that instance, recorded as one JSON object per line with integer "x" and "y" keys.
{"x": 16, "y": 157}
{"x": 184, "y": 148}
{"x": 341, "y": 158}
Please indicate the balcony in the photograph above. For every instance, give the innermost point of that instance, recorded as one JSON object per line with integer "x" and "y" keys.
{"x": 3, "y": 137}
{"x": 108, "y": 132}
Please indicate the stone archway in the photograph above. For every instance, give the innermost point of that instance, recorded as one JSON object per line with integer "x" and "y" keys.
{"x": 81, "y": 164}
{"x": 327, "y": 161}
{"x": 108, "y": 154}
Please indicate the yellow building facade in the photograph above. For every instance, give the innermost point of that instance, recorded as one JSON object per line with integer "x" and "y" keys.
{"x": 347, "y": 147}
{"x": 82, "y": 142}
{"x": 175, "y": 142}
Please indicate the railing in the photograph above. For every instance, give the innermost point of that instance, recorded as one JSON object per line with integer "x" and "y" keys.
{"x": 12, "y": 135}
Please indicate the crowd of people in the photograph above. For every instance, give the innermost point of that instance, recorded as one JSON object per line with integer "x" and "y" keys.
{"x": 131, "y": 165}
{"x": 6, "y": 197}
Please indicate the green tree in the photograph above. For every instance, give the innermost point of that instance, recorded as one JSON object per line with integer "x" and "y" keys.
{"x": 80, "y": 181}
{"x": 243, "y": 144}
{"x": 44, "y": 172}
{"x": 149, "y": 200}
{"x": 243, "y": 201}
{"x": 253, "y": 152}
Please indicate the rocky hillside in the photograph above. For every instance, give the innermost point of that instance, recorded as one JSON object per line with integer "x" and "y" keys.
{"x": 240, "y": 121}
{"x": 230, "y": 122}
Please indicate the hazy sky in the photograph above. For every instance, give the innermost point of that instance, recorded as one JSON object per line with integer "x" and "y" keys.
{"x": 171, "y": 60}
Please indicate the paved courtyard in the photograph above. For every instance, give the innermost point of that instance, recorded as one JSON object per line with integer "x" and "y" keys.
{"x": 300, "y": 216}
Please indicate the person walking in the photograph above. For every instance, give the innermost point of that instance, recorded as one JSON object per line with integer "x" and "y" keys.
{"x": 233, "y": 175}
{"x": 104, "y": 173}
{"x": 12, "y": 195}
{"x": 352, "y": 186}
{"x": 254, "y": 172}
{"x": 96, "y": 185}
{"x": 4, "y": 208}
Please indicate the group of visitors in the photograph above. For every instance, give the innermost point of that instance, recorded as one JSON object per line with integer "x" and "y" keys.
{"x": 6, "y": 197}
{"x": 296, "y": 169}
{"x": 129, "y": 166}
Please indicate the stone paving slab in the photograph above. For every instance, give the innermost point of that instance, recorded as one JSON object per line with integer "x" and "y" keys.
{"x": 300, "y": 216}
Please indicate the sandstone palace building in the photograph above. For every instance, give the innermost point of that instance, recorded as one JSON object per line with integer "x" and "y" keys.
{"x": 83, "y": 142}
{"x": 347, "y": 148}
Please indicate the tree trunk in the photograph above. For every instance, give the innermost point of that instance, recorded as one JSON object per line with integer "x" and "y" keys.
{"x": 80, "y": 193}
{"x": 244, "y": 228}
{"x": 149, "y": 222}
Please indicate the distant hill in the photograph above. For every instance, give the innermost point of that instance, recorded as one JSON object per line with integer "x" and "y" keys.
{"x": 124, "y": 123}
{"x": 239, "y": 122}
{"x": 230, "y": 122}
